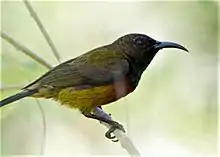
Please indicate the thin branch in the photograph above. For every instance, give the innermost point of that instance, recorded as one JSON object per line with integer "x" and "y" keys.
{"x": 25, "y": 50}
{"x": 43, "y": 144}
{"x": 127, "y": 116}
{"x": 42, "y": 29}
{"x": 126, "y": 143}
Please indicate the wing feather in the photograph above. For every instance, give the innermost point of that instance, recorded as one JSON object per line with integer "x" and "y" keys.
{"x": 95, "y": 68}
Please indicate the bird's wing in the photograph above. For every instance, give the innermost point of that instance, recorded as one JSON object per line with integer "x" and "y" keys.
{"x": 92, "y": 70}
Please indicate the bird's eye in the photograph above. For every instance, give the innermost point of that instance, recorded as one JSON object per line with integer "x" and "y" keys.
{"x": 140, "y": 41}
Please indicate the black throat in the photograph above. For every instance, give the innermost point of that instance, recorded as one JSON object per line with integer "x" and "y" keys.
{"x": 138, "y": 66}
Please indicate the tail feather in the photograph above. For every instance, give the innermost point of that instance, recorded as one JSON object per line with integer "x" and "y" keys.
{"x": 16, "y": 97}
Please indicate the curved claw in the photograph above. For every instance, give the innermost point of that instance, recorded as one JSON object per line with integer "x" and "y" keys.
{"x": 116, "y": 140}
{"x": 108, "y": 134}
{"x": 114, "y": 126}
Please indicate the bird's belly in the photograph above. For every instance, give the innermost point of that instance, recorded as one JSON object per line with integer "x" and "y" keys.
{"x": 86, "y": 99}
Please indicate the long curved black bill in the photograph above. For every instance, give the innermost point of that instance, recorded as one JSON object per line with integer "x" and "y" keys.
{"x": 160, "y": 45}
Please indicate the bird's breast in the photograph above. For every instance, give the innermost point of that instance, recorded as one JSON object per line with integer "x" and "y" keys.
{"x": 87, "y": 98}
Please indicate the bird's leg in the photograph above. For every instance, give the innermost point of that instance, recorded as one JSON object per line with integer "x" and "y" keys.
{"x": 102, "y": 109}
{"x": 114, "y": 125}
{"x": 109, "y": 132}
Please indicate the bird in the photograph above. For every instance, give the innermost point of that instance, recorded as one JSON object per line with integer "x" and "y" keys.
{"x": 99, "y": 77}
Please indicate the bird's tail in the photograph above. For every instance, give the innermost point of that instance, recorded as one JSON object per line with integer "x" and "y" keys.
{"x": 17, "y": 96}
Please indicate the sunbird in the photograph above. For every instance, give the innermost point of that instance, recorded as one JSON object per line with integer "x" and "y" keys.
{"x": 98, "y": 77}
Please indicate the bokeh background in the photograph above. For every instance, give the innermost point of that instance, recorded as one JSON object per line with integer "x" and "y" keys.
{"x": 173, "y": 112}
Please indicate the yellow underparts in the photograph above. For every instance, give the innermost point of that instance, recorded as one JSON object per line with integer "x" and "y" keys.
{"x": 86, "y": 99}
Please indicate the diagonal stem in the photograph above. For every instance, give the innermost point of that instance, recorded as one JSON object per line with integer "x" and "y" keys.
{"x": 25, "y": 50}
{"x": 42, "y": 29}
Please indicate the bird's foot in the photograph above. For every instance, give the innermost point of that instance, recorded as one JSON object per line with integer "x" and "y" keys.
{"x": 109, "y": 115}
{"x": 114, "y": 125}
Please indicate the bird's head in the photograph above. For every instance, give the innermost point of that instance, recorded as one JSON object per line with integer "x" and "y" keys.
{"x": 142, "y": 47}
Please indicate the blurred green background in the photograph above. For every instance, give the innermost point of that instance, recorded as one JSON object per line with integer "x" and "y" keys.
{"x": 173, "y": 112}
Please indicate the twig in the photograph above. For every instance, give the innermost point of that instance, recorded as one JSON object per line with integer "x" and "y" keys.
{"x": 43, "y": 144}
{"x": 42, "y": 29}
{"x": 25, "y": 50}
{"x": 126, "y": 143}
